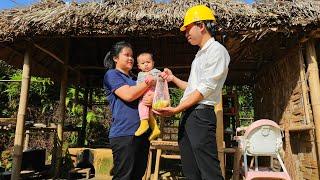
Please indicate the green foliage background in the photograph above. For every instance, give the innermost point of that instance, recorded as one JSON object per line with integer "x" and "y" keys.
{"x": 42, "y": 107}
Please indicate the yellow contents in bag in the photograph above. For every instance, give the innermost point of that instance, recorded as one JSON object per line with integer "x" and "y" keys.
{"x": 160, "y": 104}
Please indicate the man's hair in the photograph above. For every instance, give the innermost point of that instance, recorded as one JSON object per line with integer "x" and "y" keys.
{"x": 209, "y": 25}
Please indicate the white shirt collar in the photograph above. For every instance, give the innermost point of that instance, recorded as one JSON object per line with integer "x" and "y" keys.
{"x": 207, "y": 44}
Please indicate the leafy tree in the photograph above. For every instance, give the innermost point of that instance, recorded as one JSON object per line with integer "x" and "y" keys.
{"x": 43, "y": 96}
{"x": 5, "y": 72}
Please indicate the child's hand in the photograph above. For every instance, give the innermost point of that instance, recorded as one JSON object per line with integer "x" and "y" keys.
{"x": 167, "y": 74}
{"x": 149, "y": 80}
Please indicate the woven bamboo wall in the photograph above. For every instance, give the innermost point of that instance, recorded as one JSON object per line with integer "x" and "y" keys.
{"x": 279, "y": 97}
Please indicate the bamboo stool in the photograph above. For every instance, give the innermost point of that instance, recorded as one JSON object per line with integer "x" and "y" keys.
{"x": 161, "y": 146}
{"x": 168, "y": 141}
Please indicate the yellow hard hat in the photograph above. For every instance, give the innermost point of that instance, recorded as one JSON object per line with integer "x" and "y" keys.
{"x": 197, "y": 13}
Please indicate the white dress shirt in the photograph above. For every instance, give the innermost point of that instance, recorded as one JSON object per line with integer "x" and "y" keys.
{"x": 208, "y": 73}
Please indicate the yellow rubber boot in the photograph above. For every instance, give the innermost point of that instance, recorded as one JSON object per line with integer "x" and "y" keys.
{"x": 155, "y": 129}
{"x": 144, "y": 126}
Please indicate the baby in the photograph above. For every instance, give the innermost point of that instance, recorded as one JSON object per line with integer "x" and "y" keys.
{"x": 146, "y": 64}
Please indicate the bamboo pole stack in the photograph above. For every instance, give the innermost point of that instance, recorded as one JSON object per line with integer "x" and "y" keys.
{"x": 314, "y": 84}
{"x": 19, "y": 134}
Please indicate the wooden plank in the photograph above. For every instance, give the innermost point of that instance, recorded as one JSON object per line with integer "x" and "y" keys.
{"x": 301, "y": 128}
{"x": 170, "y": 156}
{"x": 229, "y": 150}
{"x": 295, "y": 97}
{"x": 297, "y": 91}
{"x": 8, "y": 120}
{"x": 298, "y": 111}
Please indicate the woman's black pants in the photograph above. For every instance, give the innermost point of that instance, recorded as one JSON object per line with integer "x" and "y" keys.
{"x": 130, "y": 156}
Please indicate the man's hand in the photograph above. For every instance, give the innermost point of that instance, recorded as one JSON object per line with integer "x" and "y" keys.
{"x": 167, "y": 74}
{"x": 166, "y": 112}
{"x": 148, "y": 98}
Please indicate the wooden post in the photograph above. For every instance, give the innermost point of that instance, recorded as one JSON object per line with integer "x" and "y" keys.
{"x": 61, "y": 111}
{"x": 314, "y": 90}
{"x": 304, "y": 88}
{"x": 84, "y": 117}
{"x": 19, "y": 134}
{"x": 54, "y": 153}
{"x": 26, "y": 140}
{"x": 219, "y": 134}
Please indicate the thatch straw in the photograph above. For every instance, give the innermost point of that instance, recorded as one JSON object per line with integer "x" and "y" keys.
{"x": 137, "y": 17}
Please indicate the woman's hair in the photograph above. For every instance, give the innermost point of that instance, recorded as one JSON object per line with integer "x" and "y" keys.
{"x": 210, "y": 26}
{"x": 108, "y": 61}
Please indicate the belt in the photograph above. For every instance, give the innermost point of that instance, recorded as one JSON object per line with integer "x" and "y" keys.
{"x": 203, "y": 106}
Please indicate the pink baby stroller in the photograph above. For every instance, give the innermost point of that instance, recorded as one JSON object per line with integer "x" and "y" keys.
{"x": 262, "y": 138}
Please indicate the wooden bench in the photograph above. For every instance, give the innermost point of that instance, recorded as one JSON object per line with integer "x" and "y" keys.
{"x": 23, "y": 174}
{"x": 81, "y": 171}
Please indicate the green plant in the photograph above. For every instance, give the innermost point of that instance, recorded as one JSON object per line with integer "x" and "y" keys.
{"x": 42, "y": 92}
{"x": 175, "y": 97}
{"x": 6, "y": 158}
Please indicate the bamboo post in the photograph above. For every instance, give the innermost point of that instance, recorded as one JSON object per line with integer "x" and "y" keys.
{"x": 26, "y": 140}
{"x": 84, "y": 117}
{"x": 54, "y": 153}
{"x": 19, "y": 133}
{"x": 219, "y": 134}
{"x": 61, "y": 111}
{"x": 304, "y": 87}
{"x": 314, "y": 90}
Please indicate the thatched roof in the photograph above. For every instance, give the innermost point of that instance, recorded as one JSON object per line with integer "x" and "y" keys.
{"x": 256, "y": 34}
{"x": 146, "y": 17}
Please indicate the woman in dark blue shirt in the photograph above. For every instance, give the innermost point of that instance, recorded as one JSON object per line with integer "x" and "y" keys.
{"x": 130, "y": 152}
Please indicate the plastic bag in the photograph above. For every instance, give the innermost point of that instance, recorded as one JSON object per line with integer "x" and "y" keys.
{"x": 161, "y": 97}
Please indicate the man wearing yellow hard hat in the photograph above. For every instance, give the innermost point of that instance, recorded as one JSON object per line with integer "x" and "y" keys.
{"x": 209, "y": 69}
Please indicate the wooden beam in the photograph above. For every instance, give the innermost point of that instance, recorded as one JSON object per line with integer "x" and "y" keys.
{"x": 52, "y": 55}
{"x": 134, "y": 68}
{"x": 19, "y": 133}
{"x": 316, "y": 35}
{"x": 16, "y": 52}
{"x": 6, "y": 120}
{"x": 312, "y": 34}
{"x": 304, "y": 87}
{"x": 61, "y": 111}
{"x": 84, "y": 117}
{"x": 49, "y": 53}
{"x": 219, "y": 134}
{"x": 314, "y": 84}
{"x": 302, "y": 128}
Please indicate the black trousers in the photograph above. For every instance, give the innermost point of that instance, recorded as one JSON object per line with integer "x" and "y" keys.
{"x": 198, "y": 147}
{"x": 130, "y": 156}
